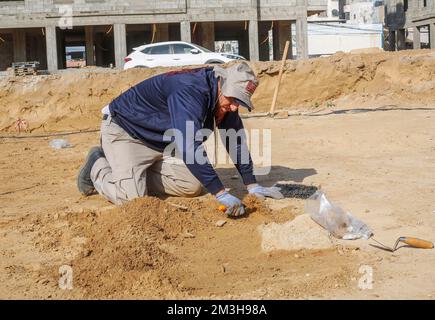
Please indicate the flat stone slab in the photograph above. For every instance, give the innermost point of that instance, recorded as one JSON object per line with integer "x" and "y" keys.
{"x": 300, "y": 233}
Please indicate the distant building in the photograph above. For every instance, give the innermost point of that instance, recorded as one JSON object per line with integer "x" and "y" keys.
{"x": 329, "y": 38}
{"x": 346, "y": 25}
{"x": 364, "y": 11}
{"x": 411, "y": 24}
{"x": 354, "y": 11}
{"x": 334, "y": 11}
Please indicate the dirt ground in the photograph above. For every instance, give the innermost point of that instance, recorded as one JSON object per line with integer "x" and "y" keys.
{"x": 375, "y": 158}
{"x": 70, "y": 101}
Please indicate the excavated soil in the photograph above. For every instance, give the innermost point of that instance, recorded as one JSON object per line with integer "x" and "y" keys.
{"x": 360, "y": 126}
{"x": 73, "y": 100}
{"x": 155, "y": 249}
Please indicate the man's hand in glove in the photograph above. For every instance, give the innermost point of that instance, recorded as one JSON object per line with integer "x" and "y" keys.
{"x": 263, "y": 192}
{"x": 233, "y": 205}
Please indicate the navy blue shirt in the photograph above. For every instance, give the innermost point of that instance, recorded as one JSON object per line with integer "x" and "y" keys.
{"x": 168, "y": 101}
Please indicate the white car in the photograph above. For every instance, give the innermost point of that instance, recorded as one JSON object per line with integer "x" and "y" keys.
{"x": 174, "y": 53}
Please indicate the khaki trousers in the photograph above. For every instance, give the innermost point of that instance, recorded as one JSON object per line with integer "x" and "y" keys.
{"x": 131, "y": 169}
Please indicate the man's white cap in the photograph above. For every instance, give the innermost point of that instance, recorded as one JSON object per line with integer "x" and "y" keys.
{"x": 238, "y": 81}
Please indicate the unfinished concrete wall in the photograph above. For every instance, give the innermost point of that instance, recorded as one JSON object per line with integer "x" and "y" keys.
{"x": 283, "y": 9}
{"x": 416, "y": 38}
{"x": 90, "y": 12}
{"x": 119, "y": 32}
{"x": 90, "y": 45}
{"x": 174, "y": 20}
{"x": 417, "y": 10}
{"x": 302, "y": 38}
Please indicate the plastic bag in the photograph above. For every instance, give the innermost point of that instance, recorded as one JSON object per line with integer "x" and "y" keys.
{"x": 59, "y": 144}
{"x": 339, "y": 223}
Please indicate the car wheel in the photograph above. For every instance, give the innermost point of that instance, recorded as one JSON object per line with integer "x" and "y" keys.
{"x": 214, "y": 62}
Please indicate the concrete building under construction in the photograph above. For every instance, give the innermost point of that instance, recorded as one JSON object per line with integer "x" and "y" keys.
{"x": 41, "y": 30}
{"x": 405, "y": 16}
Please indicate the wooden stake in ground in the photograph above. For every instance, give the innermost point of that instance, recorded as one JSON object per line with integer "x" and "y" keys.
{"x": 281, "y": 70}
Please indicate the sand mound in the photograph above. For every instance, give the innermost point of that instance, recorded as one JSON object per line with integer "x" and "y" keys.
{"x": 73, "y": 100}
{"x": 133, "y": 246}
{"x": 171, "y": 249}
{"x": 301, "y": 233}
{"x": 126, "y": 249}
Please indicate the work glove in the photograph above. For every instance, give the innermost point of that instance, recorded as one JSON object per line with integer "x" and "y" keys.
{"x": 234, "y": 206}
{"x": 263, "y": 192}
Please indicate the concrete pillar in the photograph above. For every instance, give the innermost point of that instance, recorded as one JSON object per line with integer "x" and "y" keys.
{"x": 284, "y": 34}
{"x": 401, "y": 39}
{"x": 186, "y": 34}
{"x": 162, "y": 33}
{"x": 391, "y": 41}
{"x": 302, "y": 38}
{"x": 290, "y": 48}
{"x": 416, "y": 38}
{"x": 253, "y": 41}
{"x": 51, "y": 45}
{"x": 89, "y": 35}
{"x": 19, "y": 39}
{"x": 119, "y": 34}
{"x": 207, "y": 35}
{"x": 432, "y": 35}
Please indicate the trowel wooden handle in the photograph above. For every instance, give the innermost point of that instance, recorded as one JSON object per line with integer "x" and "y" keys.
{"x": 417, "y": 243}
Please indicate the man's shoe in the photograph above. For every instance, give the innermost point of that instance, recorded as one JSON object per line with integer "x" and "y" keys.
{"x": 84, "y": 182}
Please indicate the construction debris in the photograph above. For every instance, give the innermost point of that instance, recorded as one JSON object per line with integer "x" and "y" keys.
{"x": 220, "y": 223}
{"x": 25, "y": 68}
{"x": 59, "y": 144}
